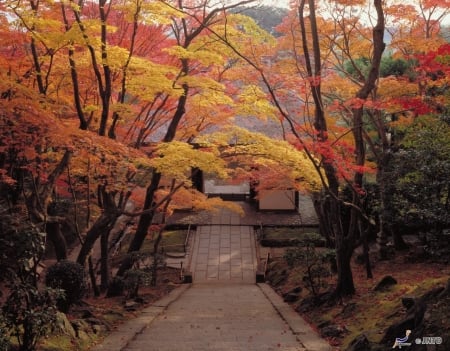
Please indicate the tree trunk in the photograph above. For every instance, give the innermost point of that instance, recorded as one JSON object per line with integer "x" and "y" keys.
{"x": 155, "y": 258}
{"x": 55, "y": 235}
{"x": 331, "y": 203}
{"x": 366, "y": 253}
{"x": 104, "y": 261}
{"x": 144, "y": 223}
{"x": 103, "y": 224}
{"x": 345, "y": 285}
{"x": 324, "y": 220}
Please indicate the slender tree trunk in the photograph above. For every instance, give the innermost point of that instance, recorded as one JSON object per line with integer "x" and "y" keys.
{"x": 358, "y": 136}
{"x": 366, "y": 251}
{"x": 106, "y": 88}
{"x": 104, "y": 261}
{"x": 146, "y": 219}
{"x": 144, "y": 223}
{"x": 93, "y": 277}
{"x": 38, "y": 207}
{"x": 155, "y": 258}
{"x": 101, "y": 225}
{"x": 106, "y": 221}
{"x": 123, "y": 91}
{"x": 368, "y": 87}
{"x": 344, "y": 248}
{"x": 55, "y": 235}
{"x": 84, "y": 124}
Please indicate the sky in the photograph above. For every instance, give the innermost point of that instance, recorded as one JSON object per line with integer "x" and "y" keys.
{"x": 285, "y": 4}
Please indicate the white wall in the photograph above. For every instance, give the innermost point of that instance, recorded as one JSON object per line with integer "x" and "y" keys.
{"x": 277, "y": 200}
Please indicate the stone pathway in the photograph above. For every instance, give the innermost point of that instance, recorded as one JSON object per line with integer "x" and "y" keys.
{"x": 223, "y": 310}
{"x": 218, "y": 317}
{"x": 224, "y": 253}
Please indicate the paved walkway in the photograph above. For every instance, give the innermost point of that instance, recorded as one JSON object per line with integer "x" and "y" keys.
{"x": 223, "y": 310}
{"x": 224, "y": 253}
{"x": 218, "y": 317}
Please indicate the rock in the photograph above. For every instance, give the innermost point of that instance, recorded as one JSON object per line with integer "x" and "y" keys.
{"x": 408, "y": 302}
{"x": 348, "y": 310}
{"x": 277, "y": 277}
{"x": 63, "y": 325}
{"x": 312, "y": 302}
{"x": 86, "y": 313}
{"x": 324, "y": 324}
{"x": 412, "y": 321}
{"x": 131, "y": 305}
{"x": 84, "y": 337}
{"x": 446, "y": 291}
{"x": 385, "y": 283}
{"x": 99, "y": 328}
{"x": 360, "y": 343}
{"x": 306, "y": 305}
{"x": 94, "y": 321}
{"x": 140, "y": 300}
{"x": 113, "y": 313}
{"x": 296, "y": 290}
{"x": 432, "y": 294}
{"x": 280, "y": 279}
{"x": 332, "y": 331}
{"x": 291, "y": 297}
{"x": 293, "y": 294}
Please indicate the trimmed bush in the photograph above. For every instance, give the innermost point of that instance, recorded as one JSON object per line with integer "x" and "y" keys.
{"x": 116, "y": 287}
{"x": 71, "y": 278}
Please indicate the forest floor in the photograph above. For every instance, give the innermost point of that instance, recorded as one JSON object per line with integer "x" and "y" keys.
{"x": 98, "y": 316}
{"x": 370, "y": 312}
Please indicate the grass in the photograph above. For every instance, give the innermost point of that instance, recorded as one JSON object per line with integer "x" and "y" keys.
{"x": 286, "y": 232}
{"x": 376, "y": 311}
{"x": 172, "y": 241}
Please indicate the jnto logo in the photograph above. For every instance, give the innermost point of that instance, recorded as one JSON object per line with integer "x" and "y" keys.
{"x": 399, "y": 342}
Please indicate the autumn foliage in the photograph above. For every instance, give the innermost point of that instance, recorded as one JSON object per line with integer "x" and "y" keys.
{"x": 110, "y": 105}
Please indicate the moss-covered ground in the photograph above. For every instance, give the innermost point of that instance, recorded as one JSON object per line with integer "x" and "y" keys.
{"x": 369, "y": 311}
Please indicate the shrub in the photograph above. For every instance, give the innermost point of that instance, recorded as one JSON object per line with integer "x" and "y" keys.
{"x": 29, "y": 313}
{"x": 4, "y": 339}
{"x": 116, "y": 287}
{"x": 134, "y": 279}
{"x": 70, "y": 277}
{"x": 315, "y": 262}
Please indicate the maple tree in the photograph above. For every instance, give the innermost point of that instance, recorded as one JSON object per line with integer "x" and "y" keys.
{"x": 191, "y": 50}
{"x": 168, "y": 80}
{"x": 417, "y": 26}
{"x": 122, "y": 65}
{"x": 308, "y": 68}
